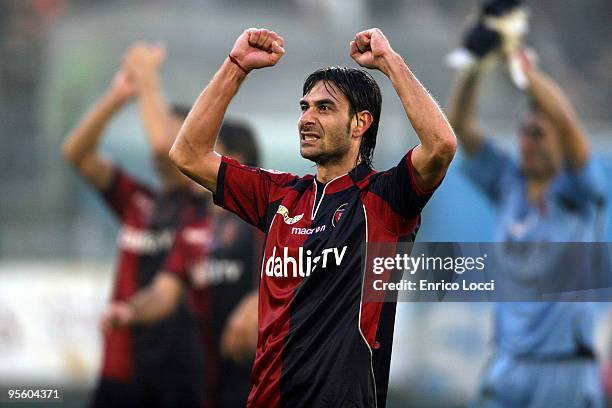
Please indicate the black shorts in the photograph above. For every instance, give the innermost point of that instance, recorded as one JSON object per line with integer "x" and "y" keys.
{"x": 234, "y": 384}
{"x": 113, "y": 393}
{"x": 168, "y": 388}
{"x": 156, "y": 389}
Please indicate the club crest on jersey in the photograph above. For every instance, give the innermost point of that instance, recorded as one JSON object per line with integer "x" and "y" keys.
{"x": 338, "y": 214}
{"x": 282, "y": 210}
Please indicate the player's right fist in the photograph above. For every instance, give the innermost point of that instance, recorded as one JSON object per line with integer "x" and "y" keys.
{"x": 258, "y": 48}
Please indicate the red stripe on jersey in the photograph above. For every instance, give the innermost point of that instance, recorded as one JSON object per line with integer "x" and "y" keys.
{"x": 117, "y": 355}
{"x": 379, "y": 232}
{"x": 275, "y": 299}
{"x": 130, "y": 201}
{"x": 376, "y": 233}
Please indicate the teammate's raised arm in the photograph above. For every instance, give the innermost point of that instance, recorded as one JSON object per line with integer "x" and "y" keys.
{"x": 550, "y": 99}
{"x": 141, "y": 64}
{"x": 462, "y": 109}
{"x": 193, "y": 151}
{"x": 431, "y": 158}
{"x": 80, "y": 147}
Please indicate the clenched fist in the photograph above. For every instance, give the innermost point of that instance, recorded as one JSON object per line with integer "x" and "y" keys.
{"x": 370, "y": 48}
{"x": 258, "y": 48}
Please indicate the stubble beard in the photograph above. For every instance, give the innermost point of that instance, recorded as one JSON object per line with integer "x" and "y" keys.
{"x": 336, "y": 153}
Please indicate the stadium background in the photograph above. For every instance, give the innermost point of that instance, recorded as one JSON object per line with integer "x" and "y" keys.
{"x": 57, "y": 241}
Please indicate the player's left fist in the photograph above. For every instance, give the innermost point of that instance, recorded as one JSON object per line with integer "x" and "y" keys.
{"x": 370, "y": 48}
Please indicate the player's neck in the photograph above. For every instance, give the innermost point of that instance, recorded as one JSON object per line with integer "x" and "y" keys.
{"x": 329, "y": 171}
{"x": 537, "y": 188}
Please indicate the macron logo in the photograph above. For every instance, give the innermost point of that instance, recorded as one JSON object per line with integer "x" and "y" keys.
{"x": 307, "y": 231}
{"x": 284, "y": 266}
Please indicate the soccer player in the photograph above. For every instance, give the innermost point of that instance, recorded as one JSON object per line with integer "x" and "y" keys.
{"x": 544, "y": 351}
{"x": 320, "y": 344}
{"x": 146, "y": 366}
{"x": 217, "y": 257}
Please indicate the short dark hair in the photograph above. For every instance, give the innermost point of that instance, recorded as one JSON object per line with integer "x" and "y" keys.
{"x": 362, "y": 92}
{"x": 238, "y": 137}
{"x": 180, "y": 111}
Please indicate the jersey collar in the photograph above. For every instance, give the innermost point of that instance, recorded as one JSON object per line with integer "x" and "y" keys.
{"x": 356, "y": 175}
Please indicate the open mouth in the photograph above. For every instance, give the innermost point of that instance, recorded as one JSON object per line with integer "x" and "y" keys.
{"x": 309, "y": 136}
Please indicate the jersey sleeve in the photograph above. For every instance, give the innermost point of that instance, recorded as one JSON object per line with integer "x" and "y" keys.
{"x": 487, "y": 168}
{"x": 119, "y": 195}
{"x": 583, "y": 186}
{"x": 399, "y": 189}
{"x": 248, "y": 191}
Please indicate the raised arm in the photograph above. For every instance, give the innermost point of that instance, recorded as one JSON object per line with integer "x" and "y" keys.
{"x": 81, "y": 147}
{"x": 462, "y": 109}
{"x": 550, "y": 99}
{"x": 431, "y": 158}
{"x": 141, "y": 63}
{"x": 149, "y": 305}
{"x": 193, "y": 151}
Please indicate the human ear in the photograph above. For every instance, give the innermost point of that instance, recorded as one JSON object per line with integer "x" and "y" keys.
{"x": 362, "y": 122}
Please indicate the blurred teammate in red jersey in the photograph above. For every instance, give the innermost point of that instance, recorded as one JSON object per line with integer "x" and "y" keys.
{"x": 218, "y": 259}
{"x": 149, "y": 366}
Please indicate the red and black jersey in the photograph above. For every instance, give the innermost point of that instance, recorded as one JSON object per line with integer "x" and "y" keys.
{"x": 149, "y": 221}
{"x": 218, "y": 259}
{"x": 320, "y": 344}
